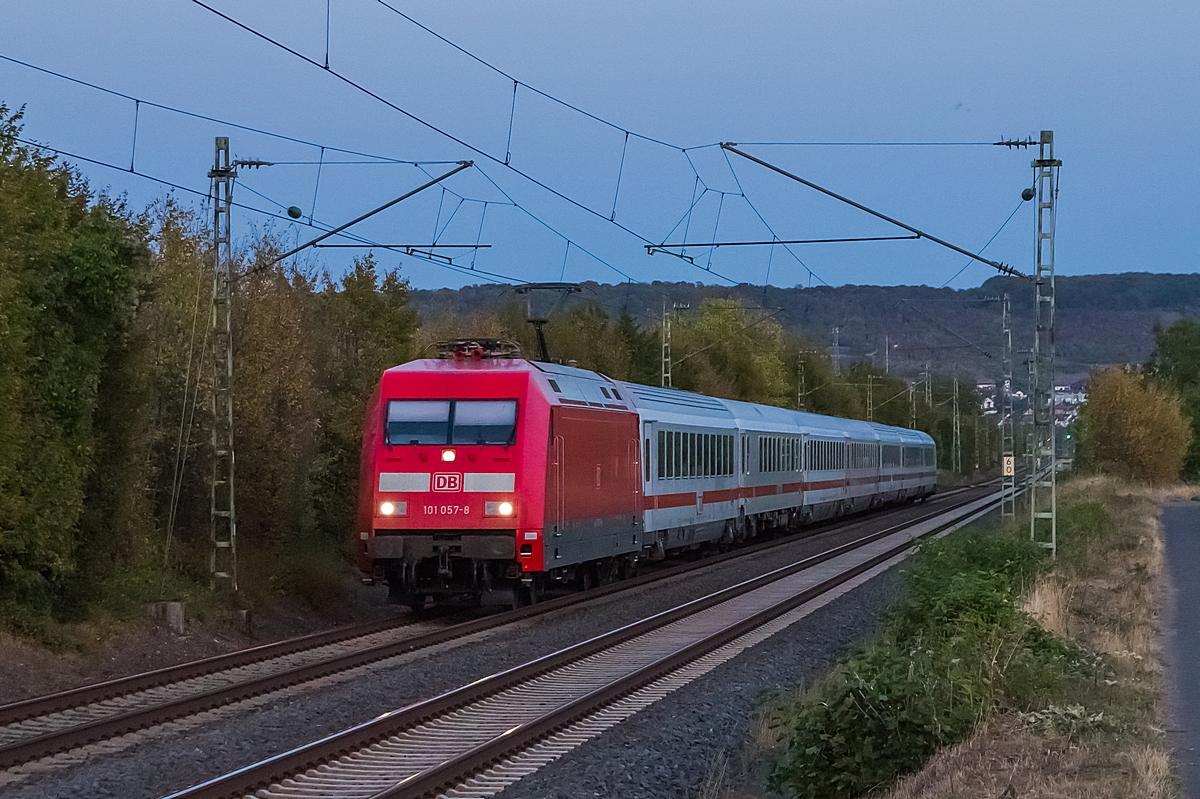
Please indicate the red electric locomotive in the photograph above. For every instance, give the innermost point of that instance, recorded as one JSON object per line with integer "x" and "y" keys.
{"x": 469, "y": 487}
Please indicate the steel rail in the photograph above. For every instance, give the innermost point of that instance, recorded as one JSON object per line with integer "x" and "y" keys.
{"x": 261, "y": 775}
{"x": 41, "y": 745}
{"x": 98, "y": 692}
{"x": 455, "y": 770}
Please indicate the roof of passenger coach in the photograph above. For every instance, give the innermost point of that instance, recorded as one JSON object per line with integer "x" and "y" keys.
{"x": 901, "y": 435}
{"x": 673, "y": 406}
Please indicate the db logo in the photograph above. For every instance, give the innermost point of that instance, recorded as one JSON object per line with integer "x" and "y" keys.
{"x": 448, "y": 481}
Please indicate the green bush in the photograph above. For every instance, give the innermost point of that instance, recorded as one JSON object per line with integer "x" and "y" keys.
{"x": 957, "y": 645}
{"x": 882, "y": 713}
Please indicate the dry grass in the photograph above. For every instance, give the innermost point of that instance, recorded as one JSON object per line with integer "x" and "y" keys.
{"x": 1107, "y": 596}
{"x": 1004, "y": 759}
{"x": 1049, "y": 601}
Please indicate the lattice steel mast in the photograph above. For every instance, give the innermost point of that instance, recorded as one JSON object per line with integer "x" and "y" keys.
{"x": 666, "y": 348}
{"x": 222, "y": 562}
{"x": 956, "y": 449}
{"x": 1043, "y": 498}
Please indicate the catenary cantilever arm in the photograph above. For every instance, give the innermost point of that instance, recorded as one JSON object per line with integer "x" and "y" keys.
{"x": 461, "y": 166}
{"x": 1004, "y": 269}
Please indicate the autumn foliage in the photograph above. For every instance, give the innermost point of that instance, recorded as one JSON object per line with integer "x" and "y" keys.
{"x": 1132, "y": 427}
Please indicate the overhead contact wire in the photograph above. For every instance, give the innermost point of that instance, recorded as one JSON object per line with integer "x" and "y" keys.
{"x": 413, "y": 117}
{"x": 205, "y": 118}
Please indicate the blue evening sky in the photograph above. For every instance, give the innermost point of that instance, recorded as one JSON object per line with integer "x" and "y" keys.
{"x": 1117, "y": 82}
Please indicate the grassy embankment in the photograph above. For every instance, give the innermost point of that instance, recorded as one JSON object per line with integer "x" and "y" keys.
{"x": 1001, "y": 673}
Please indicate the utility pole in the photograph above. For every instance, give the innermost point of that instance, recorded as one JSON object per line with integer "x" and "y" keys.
{"x": 928, "y": 388}
{"x": 870, "y": 398}
{"x": 1008, "y": 456}
{"x": 222, "y": 559}
{"x": 887, "y": 354}
{"x": 1043, "y": 498}
{"x": 956, "y": 450}
{"x": 912, "y": 407}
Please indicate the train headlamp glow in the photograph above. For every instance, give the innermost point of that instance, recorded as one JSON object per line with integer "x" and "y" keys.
{"x": 497, "y": 509}
{"x": 393, "y": 508}
{"x": 448, "y": 455}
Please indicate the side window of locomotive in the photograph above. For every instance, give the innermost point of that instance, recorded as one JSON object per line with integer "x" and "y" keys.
{"x": 485, "y": 422}
{"x": 418, "y": 422}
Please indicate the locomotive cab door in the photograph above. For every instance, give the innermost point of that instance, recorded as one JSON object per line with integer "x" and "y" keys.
{"x": 556, "y": 500}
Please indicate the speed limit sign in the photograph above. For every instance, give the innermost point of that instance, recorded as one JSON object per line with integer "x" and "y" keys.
{"x": 1009, "y": 466}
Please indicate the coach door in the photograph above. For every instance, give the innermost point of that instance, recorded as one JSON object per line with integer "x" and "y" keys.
{"x": 647, "y": 461}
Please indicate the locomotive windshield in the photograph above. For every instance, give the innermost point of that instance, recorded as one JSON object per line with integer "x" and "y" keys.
{"x": 418, "y": 421}
{"x": 484, "y": 422}
{"x": 451, "y": 422}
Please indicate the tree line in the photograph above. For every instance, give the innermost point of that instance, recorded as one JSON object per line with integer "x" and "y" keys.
{"x": 105, "y": 378}
{"x": 1139, "y": 421}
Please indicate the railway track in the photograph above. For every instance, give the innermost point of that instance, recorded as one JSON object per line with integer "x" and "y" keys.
{"x": 44, "y": 726}
{"x": 473, "y": 741}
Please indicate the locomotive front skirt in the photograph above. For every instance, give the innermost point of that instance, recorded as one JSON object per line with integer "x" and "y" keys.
{"x": 498, "y": 478}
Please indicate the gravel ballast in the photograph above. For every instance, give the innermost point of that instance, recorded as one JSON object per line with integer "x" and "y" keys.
{"x": 654, "y": 754}
{"x": 677, "y": 747}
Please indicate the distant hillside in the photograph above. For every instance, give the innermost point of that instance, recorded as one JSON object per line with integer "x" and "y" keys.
{"x": 1102, "y": 319}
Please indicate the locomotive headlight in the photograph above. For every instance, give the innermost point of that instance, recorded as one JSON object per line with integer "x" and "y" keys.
{"x": 393, "y": 509}
{"x": 497, "y": 509}
{"x": 448, "y": 455}
{"x": 387, "y": 509}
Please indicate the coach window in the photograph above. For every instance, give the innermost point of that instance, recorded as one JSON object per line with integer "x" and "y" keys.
{"x": 662, "y": 461}
{"x": 646, "y": 458}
